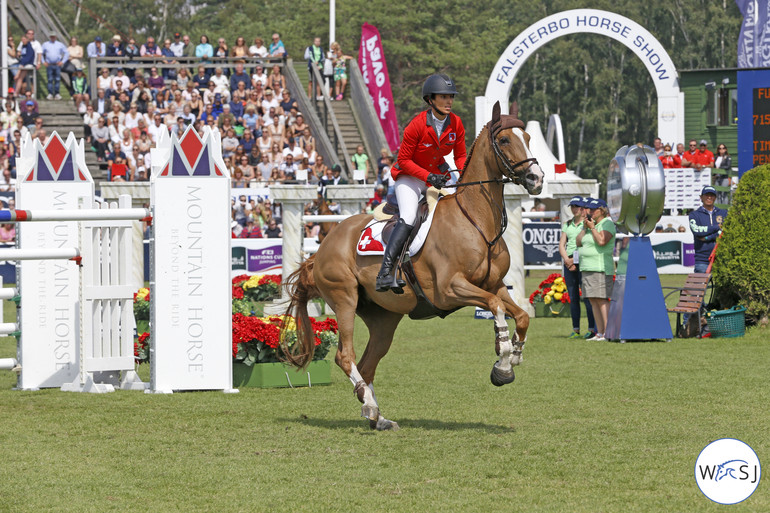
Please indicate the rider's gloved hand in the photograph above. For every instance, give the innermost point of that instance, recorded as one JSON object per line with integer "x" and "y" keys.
{"x": 437, "y": 180}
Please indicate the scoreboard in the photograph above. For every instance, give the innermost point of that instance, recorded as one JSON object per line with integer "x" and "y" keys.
{"x": 753, "y": 119}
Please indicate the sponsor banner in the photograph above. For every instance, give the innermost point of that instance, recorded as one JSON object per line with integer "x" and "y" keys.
{"x": 755, "y": 34}
{"x": 265, "y": 260}
{"x": 371, "y": 61}
{"x": 238, "y": 259}
{"x": 688, "y": 257}
{"x": 667, "y": 253}
{"x": 541, "y": 243}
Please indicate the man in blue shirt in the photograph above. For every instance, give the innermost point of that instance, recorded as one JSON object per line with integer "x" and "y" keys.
{"x": 96, "y": 48}
{"x": 706, "y": 225}
{"x": 54, "y": 56}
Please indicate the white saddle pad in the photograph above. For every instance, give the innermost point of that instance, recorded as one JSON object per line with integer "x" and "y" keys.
{"x": 370, "y": 242}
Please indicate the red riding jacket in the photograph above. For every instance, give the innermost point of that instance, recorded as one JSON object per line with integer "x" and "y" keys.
{"x": 422, "y": 152}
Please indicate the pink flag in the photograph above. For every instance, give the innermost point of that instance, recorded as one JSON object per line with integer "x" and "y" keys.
{"x": 371, "y": 60}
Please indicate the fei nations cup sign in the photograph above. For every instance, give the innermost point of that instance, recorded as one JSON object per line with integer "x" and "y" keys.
{"x": 638, "y": 39}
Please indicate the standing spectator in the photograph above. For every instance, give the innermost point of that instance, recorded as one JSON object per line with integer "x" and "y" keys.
{"x": 27, "y": 58}
{"x": 680, "y": 150}
{"x": 258, "y": 48}
{"x": 54, "y": 57}
{"x": 698, "y": 158}
{"x": 360, "y": 162}
{"x": 340, "y": 71}
{"x": 658, "y": 147}
{"x": 314, "y": 55}
{"x": 571, "y": 267}
{"x": 168, "y": 54}
{"x": 204, "y": 50}
{"x": 13, "y": 58}
{"x": 706, "y": 225}
{"x": 96, "y": 48}
{"x": 149, "y": 48}
{"x": 277, "y": 49}
{"x": 116, "y": 48}
{"x": 239, "y": 76}
{"x": 670, "y": 160}
{"x": 723, "y": 159}
{"x": 596, "y": 242}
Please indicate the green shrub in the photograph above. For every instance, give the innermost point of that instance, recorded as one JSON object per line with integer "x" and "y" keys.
{"x": 741, "y": 270}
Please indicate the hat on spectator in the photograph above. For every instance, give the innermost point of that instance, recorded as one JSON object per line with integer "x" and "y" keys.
{"x": 177, "y": 34}
{"x": 597, "y": 203}
{"x": 708, "y": 190}
{"x": 116, "y": 37}
{"x": 98, "y": 38}
{"x": 30, "y": 102}
{"x": 577, "y": 201}
{"x": 337, "y": 167}
{"x": 704, "y": 142}
{"x": 11, "y": 90}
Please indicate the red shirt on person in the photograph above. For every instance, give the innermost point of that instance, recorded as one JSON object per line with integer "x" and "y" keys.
{"x": 670, "y": 161}
{"x": 422, "y": 153}
{"x": 704, "y": 157}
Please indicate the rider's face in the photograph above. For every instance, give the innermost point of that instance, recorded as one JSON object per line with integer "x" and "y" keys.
{"x": 443, "y": 102}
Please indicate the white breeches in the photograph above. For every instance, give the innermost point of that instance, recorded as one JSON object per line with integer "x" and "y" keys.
{"x": 409, "y": 190}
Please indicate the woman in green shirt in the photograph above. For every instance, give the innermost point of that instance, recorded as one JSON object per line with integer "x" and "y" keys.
{"x": 567, "y": 250}
{"x": 596, "y": 242}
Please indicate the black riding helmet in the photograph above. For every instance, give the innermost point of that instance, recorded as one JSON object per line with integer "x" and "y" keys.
{"x": 437, "y": 84}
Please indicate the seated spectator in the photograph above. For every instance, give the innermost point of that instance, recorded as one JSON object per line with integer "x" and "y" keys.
{"x": 289, "y": 167}
{"x": 299, "y": 123}
{"x": 269, "y": 102}
{"x": 668, "y": 159}
{"x": 8, "y": 183}
{"x": 155, "y": 128}
{"x": 119, "y": 168}
{"x": 187, "y": 115}
{"x": 320, "y": 168}
{"x": 276, "y": 80}
{"x": 247, "y": 141}
{"x": 7, "y": 232}
{"x": 176, "y": 107}
{"x": 275, "y": 155}
{"x": 116, "y": 49}
{"x": 96, "y": 48}
{"x": 259, "y": 80}
{"x": 238, "y": 180}
{"x": 273, "y": 232}
{"x": 276, "y": 176}
{"x": 8, "y": 117}
{"x": 126, "y": 142}
{"x": 251, "y": 230}
{"x": 237, "y": 107}
{"x": 226, "y": 117}
{"x": 143, "y": 102}
{"x": 265, "y": 142}
{"x": 168, "y": 54}
{"x": 242, "y": 163}
{"x": 255, "y": 156}
{"x": 138, "y": 162}
{"x": 201, "y": 80}
{"x": 144, "y": 143}
{"x": 183, "y": 78}
{"x": 306, "y": 141}
{"x": 116, "y": 131}
{"x": 240, "y": 76}
{"x": 155, "y": 81}
{"x": 229, "y": 144}
{"x": 258, "y": 49}
{"x": 149, "y": 48}
{"x": 104, "y": 81}
{"x": 100, "y": 139}
{"x": 195, "y": 103}
{"x": 277, "y": 130}
{"x": 250, "y": 118}
{"x": 264, "y": 169}
{"x": 304, "y": 173}
{"x": 210, "y": 93}
{"x": 221, "y": 83}
{"x": 287, "y": 102}
{"x": 294, "y": 150}
{"x": 116, "y": 109}
{"x": 217, "y": 106}
{"x": 277, "y": 49}
{"x": 28, "y": 115}
{"x": 132, "y": 117}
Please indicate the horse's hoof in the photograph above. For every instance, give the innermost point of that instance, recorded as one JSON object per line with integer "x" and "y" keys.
{"x": 500, "y": 378}
{"x": 383, "y": 424}
{"x": 370, "y": 412}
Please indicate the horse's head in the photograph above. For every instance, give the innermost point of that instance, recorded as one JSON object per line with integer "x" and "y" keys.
{"x": 510, "y": 144}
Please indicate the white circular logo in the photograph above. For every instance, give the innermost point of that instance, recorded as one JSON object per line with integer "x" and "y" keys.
{"x": 727, "y": 471}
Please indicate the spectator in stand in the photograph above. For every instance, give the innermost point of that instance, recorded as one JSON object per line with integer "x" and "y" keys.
{"x": 277, "y": 131}
{"x": 289, "y": 167}
{"x": 269, "y": 102}
{"x": 670, "y": 160}
{"x": 155, "y": 127}
{"x": 208, "y": 116}
{"x": 217, "y": 105}
{"x": 273, "y": 231}
{"x": 155, "y": 82}
{"x": 260, "y": 77}
{"x": 116, "y": 131}
{"x": 183, "y": 78}
{"x": 138, "y": 163}
{"x": 320, "y": 168}
{"x": 381, "y": 163}
{"x": 104, "y": 81}
{"x": 250, "y": 118}
{"x": 264, "y": 168}
{"x": 265, "y": 142}
{"x": 314, "y": 55}
{"x": 119, "y": 169}
{"x": 8, "y": 232}
{"x": 8, "y": 183}
{"x": 698, "y": 158}
{"x": 116, "y": 48}
{"x": 100, "y": 139}
{"x": 287, "y": 102}
{"x": 307, "y": 142}
{"x": 252, "y": 230}
{"x": 239, "y": 76}
{"x": 229, "y": 144}
{"x": 248, "y": 142}
{"x": 121, "y": 79}
{"x": 8, "y": 118}
{"x": 116, "y": 109}
{"x": 13, "y": 58}
{"x": 132, "y": 52}
{"x": 80, "y": 91}
{"x": 680, "y": 150}
{"x": 149, "y": 48}
{"x": 723, "y": 159}
{"x": 75, "y": 51}
{"x": 189, "y": 50}
{"x": 168, "y": 54}
{"x": 195, "y": 103}
{"x": 201, "y": 80}
{"x": 27, "y": 58}
{"x": 238, "y": 181}
{"x": 277, "y": 49}
{"x": 226, "y": 117}
{"x": 275, "y": 154}
{"x": 96, "y": 48}
{"x": 258, "y": 49}
{"x": 277, "y": 80}
{"x": 340, "y": 71}
{"x": 54, "y": 57}
{"x": 204, "y": 50}
{"x": 132, "y": 116}
{"x": 221, "y": 84}
{"x": 21, "y": 127}
{"x": 249, "y": 172}
{"x": 239, "y": 49}
{"x": 28, "y": 116}
{"x": 360, "y": 162}
{"x": 237, "y": 107}
{"x": 222, "y": 52}
{"x": 177, "y": 47}
{"x": 255, "y": 157}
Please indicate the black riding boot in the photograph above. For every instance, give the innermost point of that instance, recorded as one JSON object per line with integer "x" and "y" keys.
{"x": 386, "y": 278}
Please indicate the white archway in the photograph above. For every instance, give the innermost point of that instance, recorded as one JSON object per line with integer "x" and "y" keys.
{"x": 593, "y": 21}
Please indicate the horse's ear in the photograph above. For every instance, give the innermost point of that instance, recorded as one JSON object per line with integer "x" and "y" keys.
{"x": 496, "y": 112}
{"x": 515, "y": 109}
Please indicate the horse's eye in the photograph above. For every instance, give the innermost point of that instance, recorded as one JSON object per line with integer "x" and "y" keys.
{"x": 505, "y": 140}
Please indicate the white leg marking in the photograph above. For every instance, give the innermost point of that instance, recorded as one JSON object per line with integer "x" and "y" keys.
{"x": 504, "y": 343}
{"x": 370, "y": 403}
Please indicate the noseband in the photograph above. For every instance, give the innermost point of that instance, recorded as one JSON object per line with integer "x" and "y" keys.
{"x": 504, "y": 123}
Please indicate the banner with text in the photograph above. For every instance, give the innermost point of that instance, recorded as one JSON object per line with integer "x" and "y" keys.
{"x": 371, "y": 60}
{"x": 755, "y": 34}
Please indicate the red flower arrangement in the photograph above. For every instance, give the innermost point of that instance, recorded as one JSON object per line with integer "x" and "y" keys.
{"x": 552, "y": 288}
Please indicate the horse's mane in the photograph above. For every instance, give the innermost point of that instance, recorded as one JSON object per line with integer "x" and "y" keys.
{"x": 494, "y": 126}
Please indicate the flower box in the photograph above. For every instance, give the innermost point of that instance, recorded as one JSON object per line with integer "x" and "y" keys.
{"x": 554, "y": 309}
{"x": 280, "y": 375}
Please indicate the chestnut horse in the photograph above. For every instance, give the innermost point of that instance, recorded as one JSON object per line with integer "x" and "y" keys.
{"x": 462, "y": 263}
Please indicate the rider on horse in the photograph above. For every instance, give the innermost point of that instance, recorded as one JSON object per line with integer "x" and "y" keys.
{"x": 430, "y": 136}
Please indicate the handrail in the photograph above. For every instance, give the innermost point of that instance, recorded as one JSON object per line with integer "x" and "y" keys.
{"x": 366, "y": 116}
{"x": 324, "y": 145}
{"x": 330, "y": 116}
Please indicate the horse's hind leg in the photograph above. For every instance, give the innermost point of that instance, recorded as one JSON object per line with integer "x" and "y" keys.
{"x": 382, "y": 325}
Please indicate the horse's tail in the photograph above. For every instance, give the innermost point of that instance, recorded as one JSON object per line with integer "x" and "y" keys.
{"x": 301, "y": 288}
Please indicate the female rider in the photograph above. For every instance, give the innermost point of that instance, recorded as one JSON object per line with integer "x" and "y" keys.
{"x": 430, "y": 136}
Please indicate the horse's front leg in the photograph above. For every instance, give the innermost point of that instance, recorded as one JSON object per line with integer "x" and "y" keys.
{"x": 521, "y": 318}
{"x": 508, "y": 353}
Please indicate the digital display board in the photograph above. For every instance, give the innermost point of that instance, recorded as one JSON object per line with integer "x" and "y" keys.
{"x": 761, "y": 126}
{"x": 753, "y": 119}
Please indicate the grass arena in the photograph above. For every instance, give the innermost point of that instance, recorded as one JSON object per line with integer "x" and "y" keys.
{"x": 587, "y": 426}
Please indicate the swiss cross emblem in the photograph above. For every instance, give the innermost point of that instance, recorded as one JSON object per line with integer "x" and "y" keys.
{"x": 368, "y": 243}
{"x": 452, "y": 136}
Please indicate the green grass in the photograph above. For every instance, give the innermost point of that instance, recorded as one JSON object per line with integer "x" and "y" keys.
{"x": 585, "y": 427}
